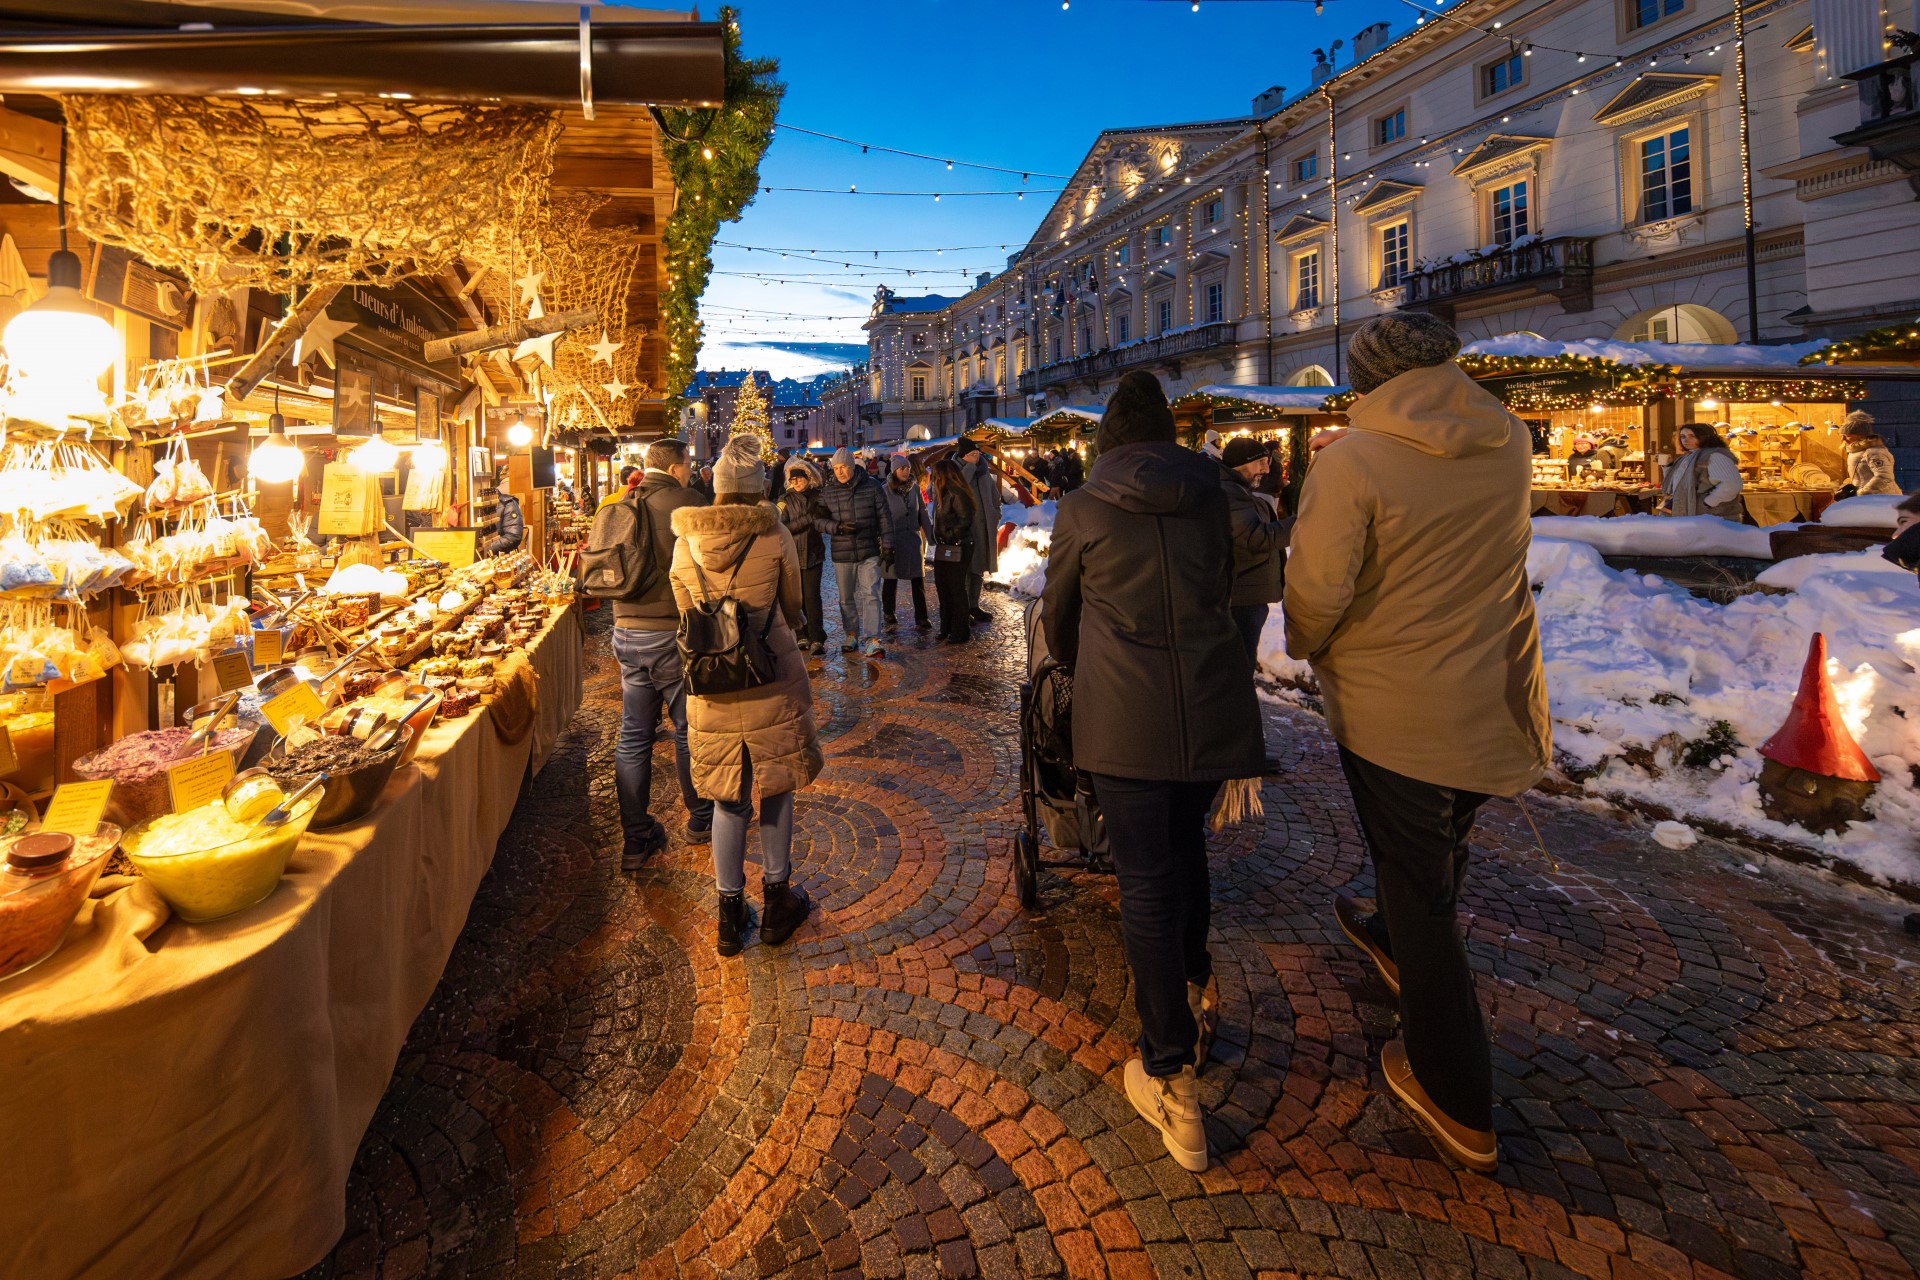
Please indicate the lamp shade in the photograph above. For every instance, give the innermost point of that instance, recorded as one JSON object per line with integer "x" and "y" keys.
{"x": 275, "y": 460}
{"x": 60, "y": 338}
{"x": 520, "y": 435}
{"x": 376, "y": 456}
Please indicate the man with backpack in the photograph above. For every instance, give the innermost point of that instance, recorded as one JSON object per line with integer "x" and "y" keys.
{"x": 626, "y": 561}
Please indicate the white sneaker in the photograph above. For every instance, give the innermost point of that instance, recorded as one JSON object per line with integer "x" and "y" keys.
{"x": 1171, "y": 1104}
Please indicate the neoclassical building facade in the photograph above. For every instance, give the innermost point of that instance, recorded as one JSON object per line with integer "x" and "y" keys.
{"x": 1578, "y": 169}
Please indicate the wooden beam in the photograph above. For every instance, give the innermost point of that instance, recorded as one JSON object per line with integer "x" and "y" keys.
{"x": 30, "y": 149}
{"x": 461, "y": 292}
{"x": 279, "y": 342}
{"x": 507, "y": 335}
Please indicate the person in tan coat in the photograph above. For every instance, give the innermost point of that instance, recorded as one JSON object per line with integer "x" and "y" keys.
{"x": 753, "y": 740}
{"x": 1407, "y": 590}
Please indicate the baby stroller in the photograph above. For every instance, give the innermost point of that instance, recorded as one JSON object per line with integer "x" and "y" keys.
{"x": 1053, "y": 793}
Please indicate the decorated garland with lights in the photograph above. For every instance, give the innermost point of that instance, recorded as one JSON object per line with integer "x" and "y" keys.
{"x": 1763, "y": 390}
{"x": 714, "y": 156}
{"x": 1899, "y": 341}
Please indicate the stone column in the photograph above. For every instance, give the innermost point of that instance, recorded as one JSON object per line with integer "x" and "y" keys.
{"x": 1237, "y": 231}
{"x": 1102, "y": 269}
{"x": 1182, "y": 267}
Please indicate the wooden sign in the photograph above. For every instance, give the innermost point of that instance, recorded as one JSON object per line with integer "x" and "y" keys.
{"x": 268, "y": 647}
{"x": 199, "y": 781}
{"x": 119, "y": 279}
{"x": 76, "y": 807}
{"x": 455, "y": 548}
{"x": 296, "y": 704}
{"x": 232, "y": 671}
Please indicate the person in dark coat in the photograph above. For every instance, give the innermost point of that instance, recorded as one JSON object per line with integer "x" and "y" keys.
{"x": 807, "y": 519}
{"x": 907, "y": 516}
{"x": 1904, "y": 550}
{"x": 1139, "y": 578}
{"x": 986, "y": 522}
{"x": 1259, "y": 540}
{"x": 1067, "y": 474}
{"x": 861, "y": 533}
{"x": 510, "y": 523}
{"x": 952, "y": 512}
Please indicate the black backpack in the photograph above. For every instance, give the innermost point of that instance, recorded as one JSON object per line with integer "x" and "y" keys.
{"x": 619, "y": 562}
{"x": 719, "y": 649}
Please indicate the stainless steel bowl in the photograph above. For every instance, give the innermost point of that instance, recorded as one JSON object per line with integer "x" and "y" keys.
{"x": 350, "y": 793}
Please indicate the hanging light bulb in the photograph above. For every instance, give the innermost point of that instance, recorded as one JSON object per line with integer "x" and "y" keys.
{"x": 275, "y": 460}
{"x": 430, "y": 455}
{"x": 377, "y": 455}
{"x": 1709, "y": 402}
{"x": 520, "y": 435}
{"x": 60, "y": 338}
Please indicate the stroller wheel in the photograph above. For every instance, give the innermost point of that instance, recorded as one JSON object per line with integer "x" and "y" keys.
{"x": 1026, "y": 868}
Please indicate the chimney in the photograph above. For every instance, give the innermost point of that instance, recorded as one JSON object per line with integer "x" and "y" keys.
{"x": 980, "y": 281}
{"x": 1270, "y": 101}
{"x": 1369, "y": 41}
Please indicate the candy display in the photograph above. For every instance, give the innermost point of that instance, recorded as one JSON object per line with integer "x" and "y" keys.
{"x": 44, "y": 877}
{"x": 208, "y": 865}
{"x": 138, "y": 765}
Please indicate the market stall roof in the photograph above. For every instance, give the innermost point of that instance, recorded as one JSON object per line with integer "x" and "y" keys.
{"x": 1012, "y": 426}
{"x": 1279, "y": 400}
{"x": 1784, "y": 358}
{"x": 1068, "y": 413}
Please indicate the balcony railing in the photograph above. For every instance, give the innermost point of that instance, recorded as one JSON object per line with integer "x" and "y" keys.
{"x": 1563, "y": 263}
{"x": 870, "y": 408}
{"x": 1168, "y": 346}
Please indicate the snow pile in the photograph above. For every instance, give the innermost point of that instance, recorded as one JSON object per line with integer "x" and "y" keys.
{"x": 1023, "y": 565}
{"x": 1688, "y": 355}
{"x": 1869, "y": 511}
{"x": 1641, "y": 535}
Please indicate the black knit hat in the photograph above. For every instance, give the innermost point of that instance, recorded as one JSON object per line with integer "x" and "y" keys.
{"x": 1241, "y": 450}
{"x": 1136, "y": 411}
{"x": 1387, "y": 346}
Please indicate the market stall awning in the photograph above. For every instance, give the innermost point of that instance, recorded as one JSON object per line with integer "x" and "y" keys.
{"x": 1254, "y": 402}
{"x": 1073, "y": 417}
{"x": 1010, "y": 426}
{"x": 1732, "y": 359}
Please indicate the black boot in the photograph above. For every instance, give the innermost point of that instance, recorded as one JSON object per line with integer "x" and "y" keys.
{"x": 782, "y": 908}
{"x": 734, "y": 920}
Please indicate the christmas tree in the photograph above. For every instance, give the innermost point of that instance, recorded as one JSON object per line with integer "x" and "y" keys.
{"x": 750, "y": 417}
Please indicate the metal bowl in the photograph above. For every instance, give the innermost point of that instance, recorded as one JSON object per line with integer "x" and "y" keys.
{"x": 350, "y": 793}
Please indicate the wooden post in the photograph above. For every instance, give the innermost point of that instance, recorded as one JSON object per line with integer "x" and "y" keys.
{"x": 507, "y": 335}
{"x": 279, "y": 342}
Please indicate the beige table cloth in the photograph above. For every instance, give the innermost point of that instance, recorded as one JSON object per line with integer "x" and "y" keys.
{"x": 186, "y": 1100}
{"x": 1778, "y": 506}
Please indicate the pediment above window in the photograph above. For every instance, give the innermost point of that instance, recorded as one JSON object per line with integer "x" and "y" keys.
{"x": 1299, "y": 227}
{"x": 1652, "y": 94}
{"x": 1387, "y": 194}
{"x": 1499, "y": 151}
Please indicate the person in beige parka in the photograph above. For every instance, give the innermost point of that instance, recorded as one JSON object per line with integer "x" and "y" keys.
{"x": 759, "y": 740}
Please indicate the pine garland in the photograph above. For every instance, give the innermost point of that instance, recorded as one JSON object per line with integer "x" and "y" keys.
{"x": 716, "y": 167}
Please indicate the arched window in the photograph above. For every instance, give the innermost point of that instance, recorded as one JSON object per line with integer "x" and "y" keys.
{"x": 1678, "y": 322}
{"x": 1311, "y": 376}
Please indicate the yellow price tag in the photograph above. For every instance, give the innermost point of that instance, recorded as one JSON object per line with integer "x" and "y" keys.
{"x": 200, "y": 780}
{"x": 76, "y": 807}
{"x": 231, "y": 670}
{"x": 267, "y": 647}
{"x": 297, "y": 703}
{"x": 8, "y": 761}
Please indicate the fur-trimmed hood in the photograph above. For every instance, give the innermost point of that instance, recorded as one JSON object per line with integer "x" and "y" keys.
{"x": 715, "y": 534}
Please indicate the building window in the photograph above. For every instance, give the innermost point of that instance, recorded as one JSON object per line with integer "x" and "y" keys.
{"x": 919, "y": 386}
{"x": 1656, "y": 329}
{"x": 1216, "y": 303}
{"x": 1120, "y": 254}
{"x": 1213, "y": 210}
{"x": 1163, "y": 315}
{"x": 1306, "y": 167}
{"x": 1121, "y": 325}
{"x": 1056, "y": 348}
{"x": 1086, "y": 337}
{"x": 1161, "y": 236}
{"x": 1390, "y": 128}
{"x": 1306, "y": 280}
{"x": 1509, "y": 72}
{"x": 1666, "y": 175}
{"x": 1511, "y": 218}
{"x": 1000, "y": 369}
{"x": 1645, "y": 13}
{"x": 1395, "y": 255}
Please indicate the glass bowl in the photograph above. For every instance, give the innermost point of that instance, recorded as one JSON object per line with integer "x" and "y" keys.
{"x": 37, "y": 911}
{"x": 349, "y": 793}
{"x": 204, "y": 881}
{"x": 138, "y": 766}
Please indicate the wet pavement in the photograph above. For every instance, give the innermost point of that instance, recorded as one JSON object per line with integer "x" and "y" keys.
{"x": 1705, "y": 1062}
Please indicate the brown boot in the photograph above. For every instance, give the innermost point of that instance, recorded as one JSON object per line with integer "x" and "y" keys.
{"x": 1476, "y": 1150}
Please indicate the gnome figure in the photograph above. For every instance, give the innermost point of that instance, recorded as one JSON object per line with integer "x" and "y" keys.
{"x": 1815, "y": 774}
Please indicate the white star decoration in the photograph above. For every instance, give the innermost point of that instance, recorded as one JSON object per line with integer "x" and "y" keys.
{"x": 541, "y": 347}
{"x": 615, "y": 389}
{"x": 603, "y": 350}
{"x": 318, "y": 339}
{"x": 530, "y": 286}
{"x": 354, "y": 396}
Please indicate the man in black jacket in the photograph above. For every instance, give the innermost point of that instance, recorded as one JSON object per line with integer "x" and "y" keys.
{"x": 510, "y": 523}
{"x": 861, "y": 532}
{"x": 1138, "y": 580}
{"x": 644, "y": 642}
{"x": 1259, "y": 539}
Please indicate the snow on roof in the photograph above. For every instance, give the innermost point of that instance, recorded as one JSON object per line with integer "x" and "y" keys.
{"x": 1783, "y": 358}
{"x": 1012, "y": 426}
{"x": 1090, "y": 412}
{"x": 1286, "y": 399}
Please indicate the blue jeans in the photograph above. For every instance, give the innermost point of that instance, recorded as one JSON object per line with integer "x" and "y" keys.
{"x": 859, "y": 584}
{"x": 730, "y": 821}
{"x": 650, "y": 678}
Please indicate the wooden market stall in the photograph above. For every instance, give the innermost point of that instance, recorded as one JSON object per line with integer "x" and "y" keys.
{"x": 368, "y": 282}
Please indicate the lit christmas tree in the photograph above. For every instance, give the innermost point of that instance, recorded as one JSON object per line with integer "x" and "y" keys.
{"x": 750, "y": 417}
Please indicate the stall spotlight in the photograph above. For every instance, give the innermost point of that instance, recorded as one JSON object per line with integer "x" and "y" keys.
{"x": 1708, "y": 403}
{"x": 430, "y": 455}
{"x": 520, "y": 435}
{"x": 378, "y": 455}
{"x": 1596, "y": 407}
{"x": 60, "y": 338}
{"x": 1776, "y": 402}
{"x": 275, "y": 460}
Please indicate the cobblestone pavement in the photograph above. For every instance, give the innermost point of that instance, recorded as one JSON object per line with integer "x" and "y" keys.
{"x": 1703, "y": 1068}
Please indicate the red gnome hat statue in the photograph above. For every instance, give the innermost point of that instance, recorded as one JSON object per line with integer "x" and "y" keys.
{"x": 1815, "y": 774}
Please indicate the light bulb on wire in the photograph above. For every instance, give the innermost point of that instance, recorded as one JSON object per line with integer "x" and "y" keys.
{"x": 520, "y": 435}
{"x": 275, "y": 460}
{"x": 59, "y": 338}
{"x": 377, "y": 456}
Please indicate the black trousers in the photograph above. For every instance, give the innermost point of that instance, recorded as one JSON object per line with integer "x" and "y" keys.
{"x": 890, "y": 595}
{"x": 1158, "y": 832}
{"x": 1417, "y": 833}
{"x": 1250, "y": 620}
{"x": 815, "y": 628}
{"x": 950, "y": 584}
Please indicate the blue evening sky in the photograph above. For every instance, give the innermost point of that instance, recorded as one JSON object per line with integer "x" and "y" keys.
{"x": 1018, "y": 83}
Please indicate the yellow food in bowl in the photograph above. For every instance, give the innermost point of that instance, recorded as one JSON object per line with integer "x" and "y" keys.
{"x": 206, "y": 865}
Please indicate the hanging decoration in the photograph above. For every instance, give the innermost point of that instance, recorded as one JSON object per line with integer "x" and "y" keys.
{"x": 1891, "y": 344}
{"x": 278, "y": 194}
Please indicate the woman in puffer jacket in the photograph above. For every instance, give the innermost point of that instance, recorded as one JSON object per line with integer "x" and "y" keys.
{"x": 752, "y": 740}
{"x": 1869, "y": 461}
{"x": 809, "y": 521}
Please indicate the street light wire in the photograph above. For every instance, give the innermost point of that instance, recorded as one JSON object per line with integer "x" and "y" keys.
{"x": 1024, "y": 174}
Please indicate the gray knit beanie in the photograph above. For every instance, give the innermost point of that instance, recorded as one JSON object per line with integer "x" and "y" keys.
{"x": 738, "y": 468}
{"x": 843, "y": 457}
{"x": 1390, "y": 345}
